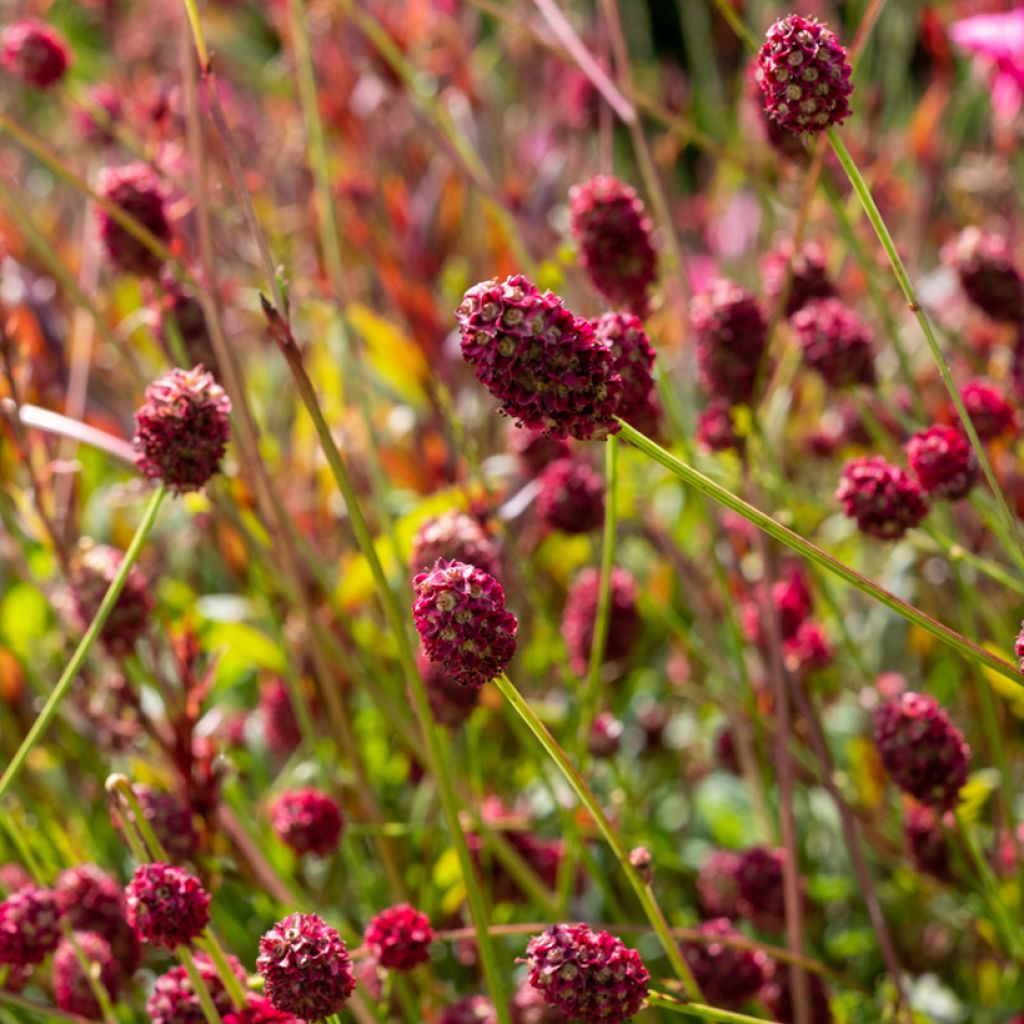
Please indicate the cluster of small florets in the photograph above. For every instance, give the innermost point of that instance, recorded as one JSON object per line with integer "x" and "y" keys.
{"x": 93, "y": 569}
{"x": 992, "y": 413}
{"x": 462, "y": 621}
{"x": 805, "y": 76}
{"x": 580, "y": 617}
{"x": 614, "y": 236}
{"x": 759, "y": 873}
{"x": 169, "y": 819}
{"x": 633, "y": 360}
{"x": 541, "y": 362}
{"x": 528, "y": 1006}
{"x": 988, "y": 273}
{"x": 926, "y": 840}
{"x": 181, "y": 430}
{"x": 884, "y": 499}
{"x": 921, "y": 749}
{"x": 804, "y": 269}
{"x": 716, "y": 427}
{"x": 570, "y": 497}
{"x": 29, "y": 926}
{"x": 456, "y": 537}
{"x": 305, "y": 967}
{"x": 137, "y": 191}
{"x": 731, "y": 336}
{"x": 836, "y": 342}
{"x": 943, "y": 461}
{"x": 726, "y": 976}
{"x": 307, "y": 820}
{"x": 92, "y": 901}
{"x": 72, "y": 990}
{"x": 451, "y": 702}
{"x": 777, "y": 996}
{"x": 399, "y": 938}
{"x": 174, "y": 1000}
{"x": 260, "y": 1011}
{"x": 35, "y": 53}
{"x": 167, "y": 906}
{"x": 590, "y": 976}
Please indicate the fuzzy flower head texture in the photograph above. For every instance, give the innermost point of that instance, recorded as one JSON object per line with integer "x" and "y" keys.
{"x": 571, "y": 497}
{"x": 921, "y": 749}
{"x": 580, "y": 617}
{"x": 985, "y": 265}
{"x": 29, "y": 926}
{"x": 72, "y": 991}
{"x": 615, "y": 240}
{"x": 307, "y": 820}
{"x": 34, "y": 53}
{"x": 633, "y": 360}
{"x": 726, "y": 976}
{"x": 457, "y": 537}
{"x": 540, "y": 361}
{"x": 174, "y": 1000}
{"x": 460, "y": 615}
{"x": 759, "y": 873}
{"x": 399, "y": 937}
{"x": 805, "y": 76}
{"x": 836, "y": 343}
{"x": 991, "y": 412}
{"x": 806, "y": 270}
{"x": 884, "y": 499}
{"x": 181, "y": 430}
{"x": 167, "y": 906}
{"x": 305, "y": 967}
{"x": 260, "y": 1011}
{"x": 169, "y": 818}
{"x": 137, "y": 190}
{"x": 93, "y": 901}
{"x": 943, "y": 461}
{"x": 590, "y": 976}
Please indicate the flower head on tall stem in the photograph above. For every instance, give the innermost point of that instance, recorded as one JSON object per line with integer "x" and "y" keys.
{"x": 307, "y": 820}
{"x": 174, "y": 1000}
{"x": 167, "y": 906}
{"x": 35, "y": 53}
{"x": 399, "y": 937}
{"x": 884, "y": 499}
{"x": 29, "y": 926}
{"x": 137, "y": 190}
{"x": 71, "y": 989}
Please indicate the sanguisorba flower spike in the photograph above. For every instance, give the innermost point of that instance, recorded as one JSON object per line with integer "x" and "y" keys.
{"x": 167, "y": 906}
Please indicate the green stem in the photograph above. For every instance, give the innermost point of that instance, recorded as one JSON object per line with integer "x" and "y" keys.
{"x": 813, "y": 553}
{"x": 900, "y": 271}
{"x": 699, "y": 1010}
{"x": 586, "y": 797}
{"x": 210, "y": 1011}
{"x": 85, "y": 644}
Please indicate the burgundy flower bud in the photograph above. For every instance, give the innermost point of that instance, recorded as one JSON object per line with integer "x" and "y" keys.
{"x": 884, "y": 499}
{"x": 169, "y": 819}
{"x": 451, "y": 702}
{"x": 989, "y": 409}
{"x": 71, "y": 989}
{"x": 731, "y": 338}
{"x": 471, "y": 1010}
{"x": 571, "y": 497}
{"x": 633, "y": 360}
{"x": 808, "y": 649}
{"x": 260, "y": 1011}
{"x": 718, "y": 890}
{"x": 943, "y": 461}
{"x": 529, "y": 1006}
{"x": 399, "y": 937}
{"x": 759, "y": 881}
{"x": 539, "y": 360}
{"x": 805, "y": 76}
{"x": 836, "y": 343}
{"x": 921, "y": 749}
{"x": 463, "y": 625}
{"x": 280, "y": 725}
{"x": 927, "y": 841}
{"x": 534, "y": 448}
{"x": 805, "y": 270}
{"x": 35, "y": 53}
{"x": 29, "y": 926}
{"x": 305, "y": 967}
{"x": 716, "y": 427}
{"x": 614, "y": 236}
{"x": 308, "y": 821}
{"x": 179, "y": 311}
{"x": 580, "y": 617}
{"x": 988, "y": 274}
{"x": 777, "y": 996}
{"x": 92, "y": 901}
{"x": 136, "y": 189}
{"x": 181, "y": 430}
{"x": 456, "y": 537}
{"x": 605, "y": 734}
{"x": 727, "y": 977}
{"x": 791, "y": 598}
{"x": 590, "y": 976}
{"x": 642, "y": 862}
{"x": 93, "y": 569}
{"x": 167, "y": 906}
{"x": 106, "y": 98}
{"x": 174, "y": 1000}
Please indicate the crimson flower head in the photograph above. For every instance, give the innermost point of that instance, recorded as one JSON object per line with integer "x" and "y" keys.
{"x": 988, "y": 273}
{"x": 72, "y": 991}
{"x": 922, "y": 750}
{"x": 991, "y": 412}
{"x": 471, "y": 1010}
{"x": 759, "y": 874}
{"x": 29, "y": 926}
{"x": 169, "y": 818}
{"x": 399, "y": 937}
{"x": 836, "y": 343}
{"x": 805, "y": 76}
{"x": 718, "y": 890}
{"x": 458, "y": 537}
{"x": 571, "y": 497}
{"x": 462, "y": 621}
{"x": 93, "y": 901}
{"x": 35, "y": 53}
{"x": 633, "y": 360}
{"x": 137, "y": 190}
{"x": 884, "y": 499}
{"x": 181, "y": 430}
{"x": 804, "y": 268}
{"x": 614, "y": 236}
{"x": 174, "y": 1000}
{"x": 308, "y": 821}
{"x": 716, "y": 427}
{"x": 542, "y": 363}
{"x": 167, "y": 906}
{"x": 944, "y": 462}
{"x": 580, "y": 617}
{"x": 305, "y": 967}
{"x": 590, "y": 976}
{"x": 726, "y": 976}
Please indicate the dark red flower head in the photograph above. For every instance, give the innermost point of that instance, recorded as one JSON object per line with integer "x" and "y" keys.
{"x": 305, "y": 967}
{"x": 471, "y": 1010}
{"x": 539, "y": 360}
{"x": 136, "y": 189}
{"x": 280, "y": 724}
{"x": 462, "y": 621}
{"x": 633, "y": 360}
{"x": 307, "y": 820}
{"x": 167, "y": 906}
{"x": 805, "y": 268}
{"x": 926, "y": 840}
{"x": 170, "y": 819}
{"x": 174, "y": 1000}
{"x": 923, "y": 752}
{"x": 35, "y": 53}
{"x": 29, "y": 926}
{"x": 580, "y": 617}
{"x": 884, "y": 499}
{"x": 944, "y": 462}
{"x": 92, "y": 901}
{"x": 456, "y": 537}
{"x": 399, "y": 937}
{"x": 759, "y": 884}
{"x": 990, "y": 410}
{"x": 988, "y": 272}
{"x": 805, "y": 76}
{"x": 716, "y": 427}
{"x": 835, "y": 342}
{"x": 590, "y": 976}
{"x": 72, "y": 991}
{"x": 727, "y": 977}
{"x": 614, "y": 236}
{"x": 181, "y": 431}
{"x": 571, "y": 497}
{"x": 534, "y": 448}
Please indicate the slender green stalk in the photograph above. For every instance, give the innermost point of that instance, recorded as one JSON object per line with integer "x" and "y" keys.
{"x": 38, "y": 1010}
{"x": 700, "y": 1011}
{"x": 99, "y": 620}
{"x": 197, "y": 34}
{"x": 818, "y": 556}
{"x": 906, "y": 286}
{"x": 586, "y": 797}
{"x": 210, "y": 1012}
